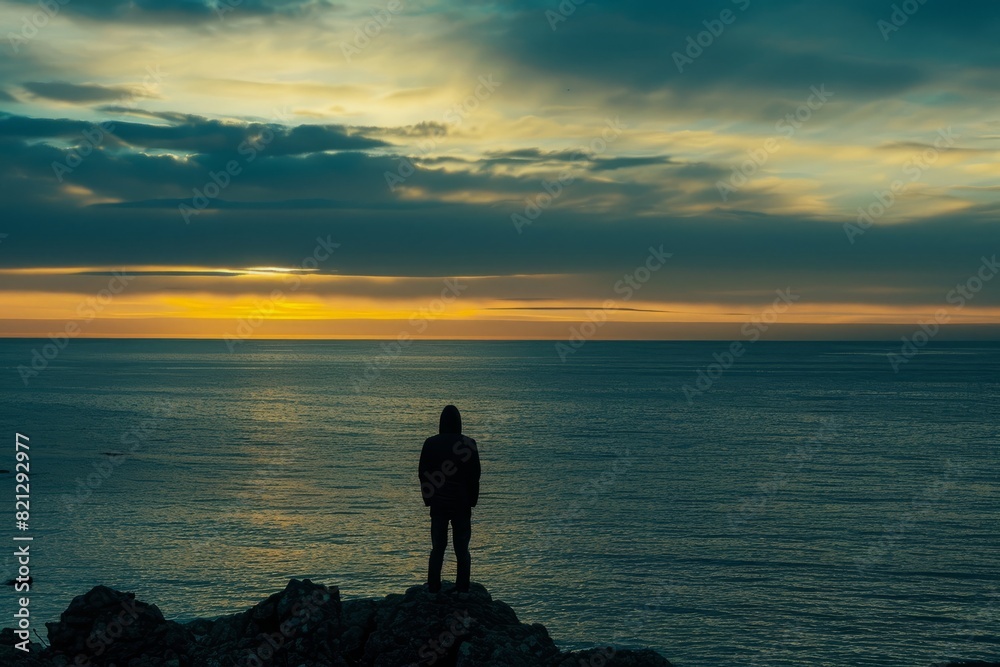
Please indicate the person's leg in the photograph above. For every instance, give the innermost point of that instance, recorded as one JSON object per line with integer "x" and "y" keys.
{"x": 439, "y": 542}
{"x": 461, "y": 526}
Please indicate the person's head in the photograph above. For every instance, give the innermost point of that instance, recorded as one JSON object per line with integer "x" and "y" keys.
{"x": 451, "y": 420}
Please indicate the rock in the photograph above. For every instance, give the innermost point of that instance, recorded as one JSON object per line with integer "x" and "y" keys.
{"x": 298, "y": 626}
{"x": 307, "y": 625}
{"x": 419, "y": 627}
{"x": 358, "y": 617}
{"x": 108, "y": 626}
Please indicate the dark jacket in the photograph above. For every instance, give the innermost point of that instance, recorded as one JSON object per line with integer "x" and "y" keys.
{"x": 449, "y": 468}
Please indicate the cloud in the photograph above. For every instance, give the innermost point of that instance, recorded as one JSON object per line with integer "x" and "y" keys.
{"x": 656, "y": 184}
{"x": 595, "y": 306}
{"x": 615, "y": 163}
{"x": 427, "y": 128}
{"x": 919, "y": 147}
{"x": 76, "y": 93}
{"x": 194, "y": 134}
{"x": 623, "y": 54}
{"x": 537, "y": 157}
{"x": 718, "y": 256}
{"x": 534, "y": 155}
{"x": 184, "y": 11}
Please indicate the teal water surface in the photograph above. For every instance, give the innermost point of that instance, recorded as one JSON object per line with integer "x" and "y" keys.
{"x": 810, "y": 506}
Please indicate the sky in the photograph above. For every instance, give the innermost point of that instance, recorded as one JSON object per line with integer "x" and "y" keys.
{"x": 507, "y": 169}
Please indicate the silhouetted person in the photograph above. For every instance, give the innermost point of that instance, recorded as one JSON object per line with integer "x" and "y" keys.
{"x": 449, "y": 482}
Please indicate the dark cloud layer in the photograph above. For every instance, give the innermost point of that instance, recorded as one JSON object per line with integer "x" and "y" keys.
{"x": 770, "y": 51}
{"x": 79, "y": 93}
{"x": 192, "y": 134}
{"x": 272, "y": 213}
{"x": 288, "y": 195}
{"x": 183, "y": 11}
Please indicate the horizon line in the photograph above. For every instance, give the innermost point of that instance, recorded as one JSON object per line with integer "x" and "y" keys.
{"x": 467, "y": 339}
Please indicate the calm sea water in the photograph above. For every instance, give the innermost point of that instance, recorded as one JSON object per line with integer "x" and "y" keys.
{"x": 810, "y": 507}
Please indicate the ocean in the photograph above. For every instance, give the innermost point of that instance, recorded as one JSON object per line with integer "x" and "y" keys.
{"x": 806, "y": 504}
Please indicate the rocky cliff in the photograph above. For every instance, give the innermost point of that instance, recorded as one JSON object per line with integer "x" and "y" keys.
{"x": 307, "y": 624}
